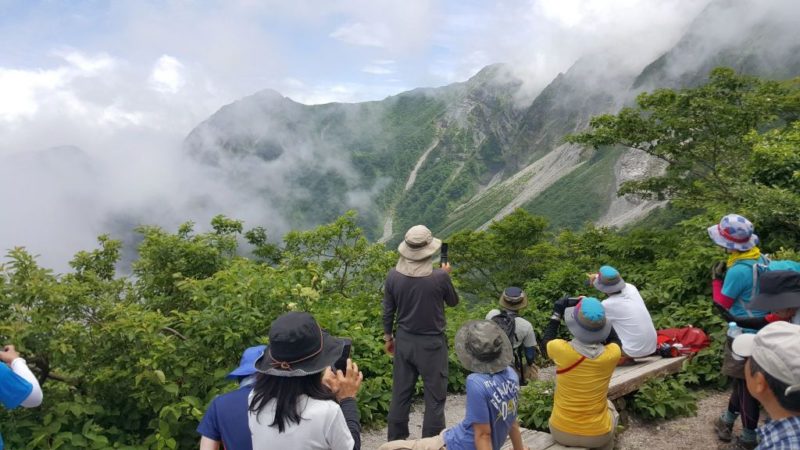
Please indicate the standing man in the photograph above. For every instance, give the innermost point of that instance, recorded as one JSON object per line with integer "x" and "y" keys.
{"x": 414, "y": 298}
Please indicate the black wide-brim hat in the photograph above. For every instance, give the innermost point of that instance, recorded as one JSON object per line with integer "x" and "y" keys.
{"x": 298, "y": 347}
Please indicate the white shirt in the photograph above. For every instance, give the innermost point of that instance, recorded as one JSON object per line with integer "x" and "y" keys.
{"x": 322, "y": 427}
{"x": 523, "y": 330}
{"x": 631, "y": 320}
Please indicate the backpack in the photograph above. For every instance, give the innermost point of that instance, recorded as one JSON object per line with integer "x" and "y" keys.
{"x": 768, "y": 265}
{"x": 691, "y": 339}
{"x": 508, "y": 323}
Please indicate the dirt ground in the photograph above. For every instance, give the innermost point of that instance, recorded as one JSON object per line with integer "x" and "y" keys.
{"x": 678, "y": 434}
{"x": 694, "y": 433}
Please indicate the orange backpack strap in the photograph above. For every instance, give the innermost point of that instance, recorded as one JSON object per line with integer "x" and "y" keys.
{"x": 560, "y": 371}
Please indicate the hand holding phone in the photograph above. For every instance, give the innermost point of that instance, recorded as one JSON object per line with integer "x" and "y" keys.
{"x": 341, "y": 363}
{"x": 443, "y": 257}
{"x": 349, "y": 384}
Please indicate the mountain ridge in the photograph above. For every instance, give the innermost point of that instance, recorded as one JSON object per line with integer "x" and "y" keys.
{"x": 461, "y": 155}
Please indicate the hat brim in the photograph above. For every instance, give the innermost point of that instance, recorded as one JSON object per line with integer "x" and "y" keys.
{"x": 418, "y": 254}
{"x": 582, "y": 334}
{"x": 713, "y": 233}
{"x": 609, "y": 289}
{"x": 473, "y": 364}
{"x": 332, "y": 348}
{"x": 409, "y": 268}
{"x": 514, "y": 306}
{"x": 743, "y": 345}
{"x": 775, "y": 302}
{"x": 245, "y": 370}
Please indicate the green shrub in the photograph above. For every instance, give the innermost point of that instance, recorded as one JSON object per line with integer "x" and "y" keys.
{"x": 536, "y": 404}
{"x": 664, "y": 398}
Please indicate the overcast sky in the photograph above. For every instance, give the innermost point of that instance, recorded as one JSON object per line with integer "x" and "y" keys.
{"x": 125, "y": 81}
{"x": 165, "y": 65}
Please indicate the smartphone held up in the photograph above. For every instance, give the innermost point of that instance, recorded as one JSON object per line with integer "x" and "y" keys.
{"x": 443, "y": 256}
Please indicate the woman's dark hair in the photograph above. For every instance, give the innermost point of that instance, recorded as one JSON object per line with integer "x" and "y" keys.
{"x": 778, "y": 388}
{"x": 285, "y": 391}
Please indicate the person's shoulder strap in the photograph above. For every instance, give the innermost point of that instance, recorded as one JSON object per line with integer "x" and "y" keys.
{"x": 574, "y": 365}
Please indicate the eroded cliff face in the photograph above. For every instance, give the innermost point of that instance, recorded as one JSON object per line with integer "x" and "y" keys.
{"x": 633, "y": 165}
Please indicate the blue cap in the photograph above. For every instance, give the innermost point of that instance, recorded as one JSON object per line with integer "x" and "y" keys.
{"x": 247, "y": 364}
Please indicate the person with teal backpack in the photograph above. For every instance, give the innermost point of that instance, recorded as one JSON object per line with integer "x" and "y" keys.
{"x": 734, "y": 285}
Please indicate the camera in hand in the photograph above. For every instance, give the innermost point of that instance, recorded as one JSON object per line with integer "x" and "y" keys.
{"x": 443, "y": 257}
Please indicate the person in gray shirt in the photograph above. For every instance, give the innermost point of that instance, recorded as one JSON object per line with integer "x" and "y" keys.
{"x": 415, "y": 295}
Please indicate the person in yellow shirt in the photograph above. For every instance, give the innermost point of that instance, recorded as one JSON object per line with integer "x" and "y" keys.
{"x": 582, "y": 415}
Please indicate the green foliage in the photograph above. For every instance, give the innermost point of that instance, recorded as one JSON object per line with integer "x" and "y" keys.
{"x": 665, "y": 398}
{"x": 488, "y": 261}
{"x": 536, "y": 405}
{"x": 700, "y": 132}
{"x": 730, "y": 145}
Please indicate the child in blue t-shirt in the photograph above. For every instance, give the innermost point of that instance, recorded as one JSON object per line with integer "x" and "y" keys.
{"x": 492, "y": 394}
{"x": 18, "y": 386}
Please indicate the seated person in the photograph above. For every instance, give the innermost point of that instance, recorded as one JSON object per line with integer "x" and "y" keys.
{"x": 297, "y": 402}
{"x": 772, "y": 374}
{"x": 225, "y": 420}
{"x": 582, "y": 415}
{"x": 18, "y": 385}
{"x": 492, "y": 394}
{"x": 512, "y": 301}
{"x": 627, "y": 313}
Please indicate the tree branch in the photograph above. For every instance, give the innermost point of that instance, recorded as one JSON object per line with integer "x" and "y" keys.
{"x": 175, "y": 332}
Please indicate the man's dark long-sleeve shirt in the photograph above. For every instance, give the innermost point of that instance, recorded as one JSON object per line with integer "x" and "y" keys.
{"x": 417, "y": 302}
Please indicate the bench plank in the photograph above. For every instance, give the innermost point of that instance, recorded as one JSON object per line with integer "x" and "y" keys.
{"x": 627, "y": 379}
{"x": 538, "y": 440}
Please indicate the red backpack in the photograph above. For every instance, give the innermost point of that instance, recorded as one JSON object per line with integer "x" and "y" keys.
{"x": 690, "y": 339}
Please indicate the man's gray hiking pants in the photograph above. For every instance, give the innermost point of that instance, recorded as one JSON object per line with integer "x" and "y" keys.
{"x": 418, "y": 355}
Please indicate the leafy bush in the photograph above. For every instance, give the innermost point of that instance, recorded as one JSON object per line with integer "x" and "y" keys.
{"x": 664, "y": 398}
{"x": 536, "y": 404}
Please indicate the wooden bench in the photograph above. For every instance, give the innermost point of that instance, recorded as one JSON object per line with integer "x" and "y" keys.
{"x": 538, "y": 440}
{"x": 627, "y": 379}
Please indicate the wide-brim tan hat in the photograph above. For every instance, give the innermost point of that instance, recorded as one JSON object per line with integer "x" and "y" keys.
{"x": 419, "y": 244}
{"x": 513, "y": 298}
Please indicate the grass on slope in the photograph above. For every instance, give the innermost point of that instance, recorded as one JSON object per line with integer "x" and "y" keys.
{"x": 582, "y": 196}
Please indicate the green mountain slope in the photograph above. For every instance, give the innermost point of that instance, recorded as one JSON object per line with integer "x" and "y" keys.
{"x": 459, "y": 156}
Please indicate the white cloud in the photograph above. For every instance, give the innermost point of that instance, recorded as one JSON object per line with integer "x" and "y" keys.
{"x": 368, "y": 35}
{"x": 87, "y": 65}
{"x": 377, "y": 70}
{"x": 19, "y": 90}
{"x": 167, "y": 76}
